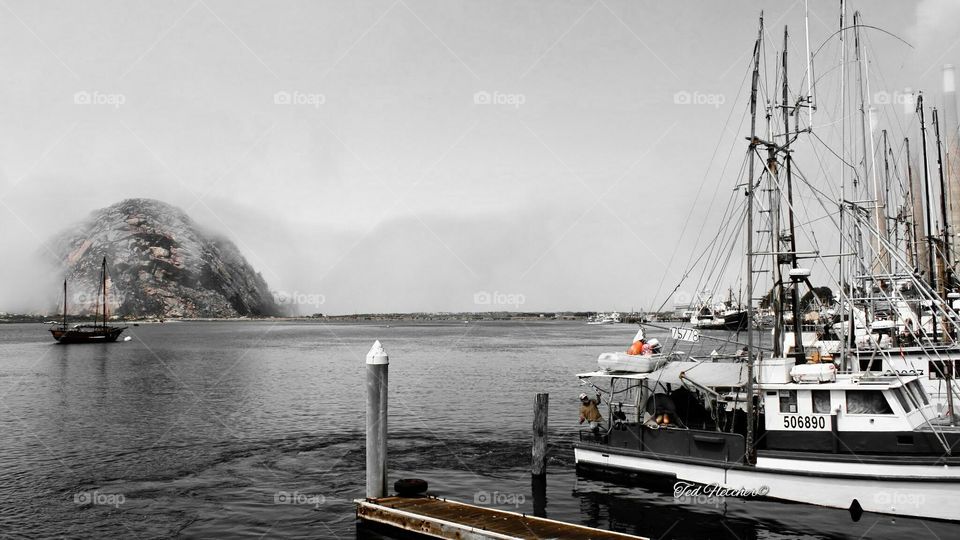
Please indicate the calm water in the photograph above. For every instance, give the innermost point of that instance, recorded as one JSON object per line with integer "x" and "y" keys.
{"x": 255, "y": 429}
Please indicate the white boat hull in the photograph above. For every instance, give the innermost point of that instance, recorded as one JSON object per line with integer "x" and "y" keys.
{"x": 925, "y": 491}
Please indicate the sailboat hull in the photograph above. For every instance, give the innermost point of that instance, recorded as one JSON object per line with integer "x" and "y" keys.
{"x": 107, "y": 334}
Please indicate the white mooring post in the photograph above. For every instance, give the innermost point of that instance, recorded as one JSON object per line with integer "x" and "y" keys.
{"x": 377, "y": 364}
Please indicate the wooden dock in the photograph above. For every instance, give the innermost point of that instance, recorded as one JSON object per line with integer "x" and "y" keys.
{"x": 439, "y": 518}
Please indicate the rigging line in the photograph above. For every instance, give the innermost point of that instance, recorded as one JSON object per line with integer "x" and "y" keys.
{"x": 691, "y": 268}
{"x": 831, "y": 36}
{"x": 704, "y": 180}
{"x": 834, "y": 153}
{"x": 724, "y": 230}
{"x": 919, "y": 285}
{"x": 880, "y": 75}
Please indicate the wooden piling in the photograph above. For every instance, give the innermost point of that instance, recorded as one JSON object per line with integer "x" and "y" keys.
{"x": 377, "y": 366}
{"x": 540, "y": 434}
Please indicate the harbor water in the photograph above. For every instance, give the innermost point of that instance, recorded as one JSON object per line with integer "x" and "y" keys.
{"x": 248, "y": 429}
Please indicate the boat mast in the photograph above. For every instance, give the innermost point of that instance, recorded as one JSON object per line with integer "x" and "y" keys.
{"x": 945, "y": 229}
{"x": 103, "y": 285}
{"x": 64, "y": 304}
{"x": 886, "y": 198}
{"x": 806, "y": 27}
{"x": 931, "y": 253}
{"x": 798, "y": 351}
{"x": 869, "y": 169}
{"x": 843, "y": 181}
{"x": 915, "y": 214}
{"x": 752, "y": 149}
{"x": 776, "y": 292}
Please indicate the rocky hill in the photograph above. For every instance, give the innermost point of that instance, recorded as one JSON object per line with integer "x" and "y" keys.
{"x": 160, "y": 264}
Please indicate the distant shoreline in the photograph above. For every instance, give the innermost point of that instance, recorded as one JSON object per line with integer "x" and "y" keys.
{"x": 359, "y": 317}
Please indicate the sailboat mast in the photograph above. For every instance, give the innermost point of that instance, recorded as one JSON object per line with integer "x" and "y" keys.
{"x": 798, "y": 351}
{"x": 103, "y": 286}
{"x": 945, "y": 228}
{"x": 64, "y": 303}
{"x": 752, "y": 158}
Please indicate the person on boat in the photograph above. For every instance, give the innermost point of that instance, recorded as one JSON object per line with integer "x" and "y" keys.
{"x": 590, "y": 414}
{"x": 645, "y": 348}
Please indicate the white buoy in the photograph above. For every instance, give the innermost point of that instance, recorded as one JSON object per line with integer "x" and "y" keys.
{"x": 128, "y": 338}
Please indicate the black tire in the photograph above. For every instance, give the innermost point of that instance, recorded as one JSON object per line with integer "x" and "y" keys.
{"x": 410, "y": 487}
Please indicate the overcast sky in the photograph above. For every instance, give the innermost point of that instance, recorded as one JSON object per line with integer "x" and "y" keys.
{"x": 409, "y": 155}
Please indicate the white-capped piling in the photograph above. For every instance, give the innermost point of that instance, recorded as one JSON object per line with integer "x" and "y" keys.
{"x": 377, "y": 365}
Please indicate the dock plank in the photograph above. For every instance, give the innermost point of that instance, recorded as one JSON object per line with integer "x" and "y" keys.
{"x": 440, "y": 518}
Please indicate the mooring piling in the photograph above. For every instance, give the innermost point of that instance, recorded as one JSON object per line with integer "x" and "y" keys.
{"x": 377, "y": 366}
{"x": 538, "y": 477}
{"x": 540, "y": 434}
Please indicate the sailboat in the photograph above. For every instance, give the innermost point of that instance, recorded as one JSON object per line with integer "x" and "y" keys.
{"x": 783, "y": 422}
{"x": 98, "y": 332}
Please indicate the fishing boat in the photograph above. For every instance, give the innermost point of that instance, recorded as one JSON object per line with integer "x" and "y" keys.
{"x": 821, "y": 414}
{"x": 99, "y": 331}
{"x": 863, "y": 442}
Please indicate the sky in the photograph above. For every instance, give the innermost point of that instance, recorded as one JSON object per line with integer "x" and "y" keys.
{"x": 411, "y": 155}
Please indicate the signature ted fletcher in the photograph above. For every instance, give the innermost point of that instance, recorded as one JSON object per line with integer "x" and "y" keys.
{"x": 691, "y": 491}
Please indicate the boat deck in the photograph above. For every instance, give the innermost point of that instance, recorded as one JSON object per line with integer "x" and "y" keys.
{"x": 439, "y": 518}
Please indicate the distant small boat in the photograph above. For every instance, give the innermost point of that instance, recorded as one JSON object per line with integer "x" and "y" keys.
{"x": 600, "y": 318}
{"x": 88, "y": 333}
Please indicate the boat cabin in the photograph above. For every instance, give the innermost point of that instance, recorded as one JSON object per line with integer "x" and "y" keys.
{"x": 800, "y": 408}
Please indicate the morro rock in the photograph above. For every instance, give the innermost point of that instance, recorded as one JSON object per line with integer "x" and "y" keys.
{"x": 160, "y": 264}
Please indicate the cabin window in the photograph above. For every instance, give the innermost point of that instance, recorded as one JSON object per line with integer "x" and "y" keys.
{"x": 867, "y": 402}
{"x": 918, "y": 392}
{"x": 821, "y": 401}
{"x": 937, "y": 368}
{"x": 905, "y": 402}
{"x": 788, "y": 401}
